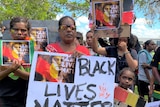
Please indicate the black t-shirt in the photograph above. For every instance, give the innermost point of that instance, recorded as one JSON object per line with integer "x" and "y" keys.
{"x": 156, "y": 59}
{"x": 121, "y": 60}
{"x": 13, "y": 88}
{"x": 156, "y": 63}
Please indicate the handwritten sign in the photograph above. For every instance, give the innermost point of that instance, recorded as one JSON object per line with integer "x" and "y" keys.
{"x": 153, "y": 104}
{"x": 91, "y": 81}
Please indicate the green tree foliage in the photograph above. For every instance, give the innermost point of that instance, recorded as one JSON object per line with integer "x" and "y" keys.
{"x": 48, "y": 9}
{"x": 41, "y": 9}
{"x": 150, "y": 8}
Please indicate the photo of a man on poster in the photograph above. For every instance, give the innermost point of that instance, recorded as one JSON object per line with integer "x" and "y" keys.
{"x": 55, "y": 69}
{"x": 106, "y": 14}
{"x": 40, "y": 37}
{"x": 15, "y": 50}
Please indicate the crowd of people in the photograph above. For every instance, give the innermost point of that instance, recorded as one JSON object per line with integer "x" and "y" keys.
{"x": 135, "y": 64}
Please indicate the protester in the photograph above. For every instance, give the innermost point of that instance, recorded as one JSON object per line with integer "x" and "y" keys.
{"x": 2, "y": 29}
{"x": 126, "y": 56}
{"x": 67, "y": 33}
{"x": 144, "y": 68}
{"x": 13, "y": 91}
{"x": 79, "y": 37}
{"x": 111, "y": 41}
{"x": 67, "y": 44}
{"x": 126, "y": 80}
{"x": 89, "y": 36}
{"x": 134, "y": 43}
{"x": 155, "y": 63}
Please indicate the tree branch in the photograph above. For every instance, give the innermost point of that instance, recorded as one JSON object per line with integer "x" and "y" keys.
{"x": 155, "y": 1}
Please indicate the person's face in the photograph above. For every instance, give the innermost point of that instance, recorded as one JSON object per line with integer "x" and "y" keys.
{"x": 19, "y": 31}
{"x": 3, "y": 29}
{"x": 111, "y": 42}
{"x": 151, "y": 46}
{"x": 58, "y": 60}
{"x": 16, "y": 48}
{"x": 123, "y": 39}
{"x": 89, "y": 37}
{"x": 80, "y": 40}
{"x": 67, "y": 31}
{"x": 107, "y": 8}
{"x": 126, "y": 79}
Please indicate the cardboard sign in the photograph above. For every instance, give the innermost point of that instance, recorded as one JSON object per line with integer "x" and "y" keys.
{"x": 59, "y": 80}
{"x": 16, "y": 50}
{"x": 123, "y": 31}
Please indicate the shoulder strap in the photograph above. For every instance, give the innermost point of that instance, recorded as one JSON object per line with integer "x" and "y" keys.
{"x": 149, "y": 57}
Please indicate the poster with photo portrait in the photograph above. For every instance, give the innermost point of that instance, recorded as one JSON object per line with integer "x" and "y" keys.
{"x": 56, "y": 68}
{"x": 15, "y": 50}
{"x": 106, "y": 14}
{"x": 40, "y": 37}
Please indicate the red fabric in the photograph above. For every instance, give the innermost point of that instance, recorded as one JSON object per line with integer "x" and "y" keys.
{"x": 100, "y": 18}
{"x": 7, "y": 52}
{"x": 27, "y": 38}
{"x": 99, "y": 15}
{"x": 128, "y": 17}
{"x": 43, "y": 68}
{"x": 120, "y": 94}
{"x": 55, "y": 47}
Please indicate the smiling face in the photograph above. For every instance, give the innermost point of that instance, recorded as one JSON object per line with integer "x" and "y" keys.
{"x": 67, "y": 30}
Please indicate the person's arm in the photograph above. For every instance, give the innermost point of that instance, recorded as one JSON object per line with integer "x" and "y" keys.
{"x": 156, "y": 74}
{"x": 151, "y": 82}
{"x": 132, "y": 63}
{"x": 99, "y": 50}
{"x": 147, "y": 73}
{"x": 154, "y": 65}
{"x": 22, "y": 74}
{"x": 6, "y": 70}
{"x": 145, "y": 65}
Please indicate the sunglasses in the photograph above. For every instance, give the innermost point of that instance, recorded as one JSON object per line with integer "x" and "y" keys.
{"x": 65, "y": 27}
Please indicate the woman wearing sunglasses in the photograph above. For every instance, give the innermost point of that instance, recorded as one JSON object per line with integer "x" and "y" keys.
{"x": 67, "y": 33}
{"x": 68, "y": 43}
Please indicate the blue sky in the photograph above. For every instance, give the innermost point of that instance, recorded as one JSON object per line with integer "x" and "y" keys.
{"x": 143, "y": 30}
{"x": 140, "y": 28}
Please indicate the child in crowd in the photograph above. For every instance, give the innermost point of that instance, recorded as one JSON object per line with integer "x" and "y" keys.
{"x": 126, "y": 78}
